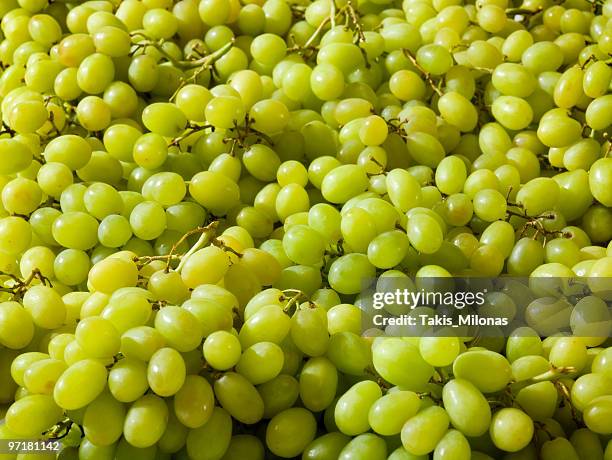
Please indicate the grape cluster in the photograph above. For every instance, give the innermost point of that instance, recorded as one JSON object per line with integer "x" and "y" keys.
{"x": 192, "y": 193}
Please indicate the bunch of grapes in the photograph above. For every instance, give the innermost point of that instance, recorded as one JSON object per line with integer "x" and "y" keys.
{"x": 192, "y": 193}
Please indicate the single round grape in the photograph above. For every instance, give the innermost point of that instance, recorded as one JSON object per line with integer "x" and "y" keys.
{"x": 511, "y": 429}
{"x": 166, "y": 372}
{"x": 80, "y": 384}
{"x": 421, "y": 433}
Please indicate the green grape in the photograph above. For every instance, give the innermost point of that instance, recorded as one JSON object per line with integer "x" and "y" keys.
{"x": 512, "y": 112}
{"x": 318, "y": 384}
{"x": 368, "y": 445}
{"x": 539, "y": 400}
{"x": 148, "y": 220}
{"x": 17, "y": 325}
{"x": 278, "y": 394}
{"x": 45, "y": 306}
{"x": 269, "y": 324}
{"x": 556, "y": 130}
{"x": 467, "y": 408}
{"x": 596, "y": 80}
{"x": 590, "y": 320}
{"x": 424, "y": 233}
{"x": 458, "y": 111}
{"x": 194, "y": 403}
{"x": 525, "y": 257}
{"x": 211, "y": 440}
{"x": 127, "y": 380}
{"x": 599, "y": 174}
{"x": 17, "y": 156}
{"x": 103, "y": 420}
{"x": 529, "y": 366}
{"x": 597, "y": 113}
{"x": 597, "y": 415}
{"x": 388, "y": 249}
{"x": 27, "y": 116}
{"x": 556, "y": 448}
{"x": 511, "y": 429}
{"x": 98, "y": 337}
{"x": 261, "y": 362}
{"x": 469, "y": 366}
{"x": 239, "y": 397}
{"x": 213, "y": 317}
{"x": 75, "y": 230}
{"x": 326, "y": 447}
{"x": 347, "y": 273}
{"x": 453, "y": 445}
{"x": 450, "y": 175}
{"x": 290, "y": 431}
{"x": 32, "y": 414}
{"x": 223, "y": 111}
{"x": 214, "y": 191}
{"x": 523, "y": 341}
{"x": 421, "y": 433}
{"x": 145, "y": 421}
{"x": 489, "y": 205}
{"x": 343, "y": 183}
{"x": 501, "y": 235}
{"x": 40, "y": 377}
{"x": 586, "y": 444}
{"x": 393, "y": 350}
{"x": 425, "y": 149}
{"x": 538, "y": 195}
{"x": 269, "y": 116}
{"x": 21, "y": 196}
{"x": 205, "y": 266}
{"x": 180, "y": 328}
{"x": 303, "y": 245}
{"x": 309, "y": 330}
{"x": 439, "y": 351}
{"x": 513, "y": 80}
{"x": 389, "y": 413}
{"x": 568, "y": 352}
{"x": 80, "y": 384}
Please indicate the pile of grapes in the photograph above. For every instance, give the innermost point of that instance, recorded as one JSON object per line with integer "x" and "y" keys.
{"x": 193, "y": 193}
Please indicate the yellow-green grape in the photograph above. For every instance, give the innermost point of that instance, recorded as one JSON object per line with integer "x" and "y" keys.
{"x": 32, "y": 414}
{"x": 511, "y": 429}
{"x": 453, "y": 445}
{"x": 468, "y": 366}
{"x": 103, "y": 420}
{"x": 80, "y": 384}
{"x": 194, "y": 403}
{"x": 466, "y": 406}
{"x": 98, "y": 337}
{"x": 211, "y": 440}
{"x": 127, "y": 380}
{"x": 389, "y": 413}
{"x": 145, "y": 421}
{"x": 40, "y": 377}
{"x": 318, "y": 384}
{"x": 421, "y": 433}
{"x": 16, "y": 325}
{"x": 290, "y": 431}
{"x": 166, "y": 372}
{"x": 239, "y": 397}
{"x": 599, "y": 175}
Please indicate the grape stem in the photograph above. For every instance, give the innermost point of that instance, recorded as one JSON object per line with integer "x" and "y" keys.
{"x": 201, "y": 65}
{"x": 553, "y": 374}
{"x": 426, "y": 74}
{"x": 220, "y": 244}
{"x": 192, "y": 128}
{"x": 6, "y": 130}
{"x": 207, "y": 234}
{"x": 567, "y": 398}
{"x": 20, "y": 286}
{"x": 61, "y": 429}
